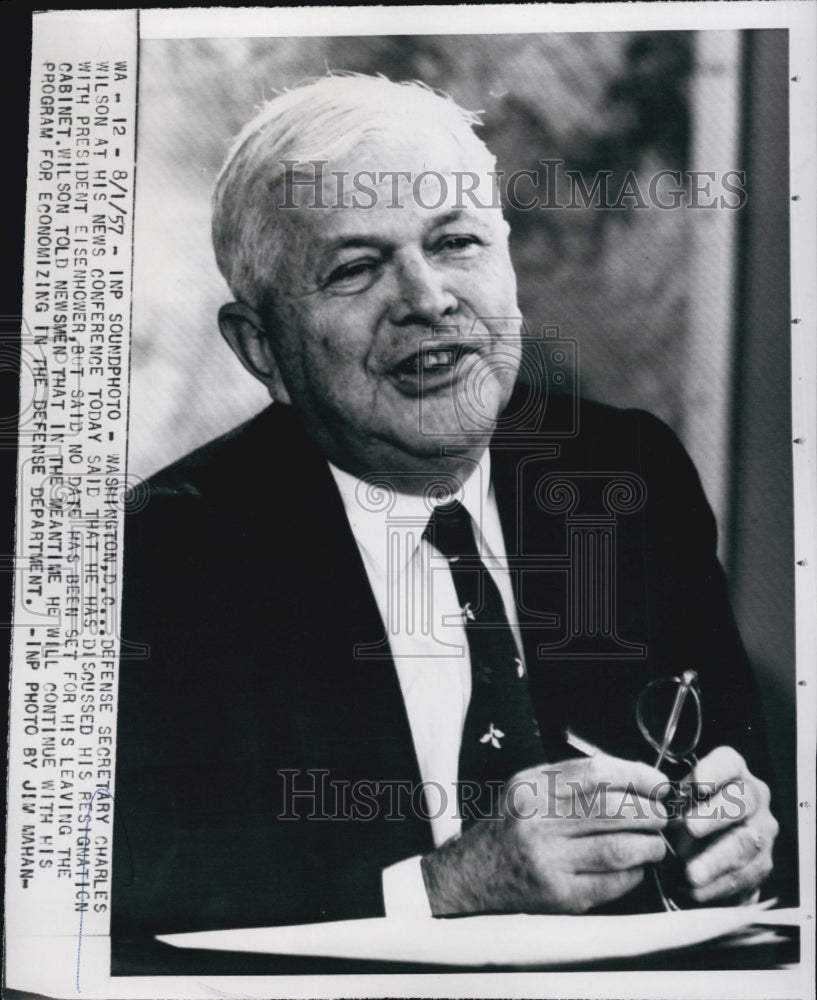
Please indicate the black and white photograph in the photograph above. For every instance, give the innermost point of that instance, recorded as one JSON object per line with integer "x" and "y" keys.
{"x": 415, "y": 581}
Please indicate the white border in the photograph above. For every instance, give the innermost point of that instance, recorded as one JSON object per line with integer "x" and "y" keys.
{"x": 470, "y": 19}
{"x": 801, "y": 19}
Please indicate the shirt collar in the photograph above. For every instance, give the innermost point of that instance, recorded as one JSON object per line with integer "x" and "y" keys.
{"x": 371, "y": 506}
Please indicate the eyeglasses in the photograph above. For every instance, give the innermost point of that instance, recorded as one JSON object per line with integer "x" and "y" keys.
{"x": 669, "y": 716}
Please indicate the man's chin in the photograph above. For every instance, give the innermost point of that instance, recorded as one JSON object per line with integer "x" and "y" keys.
{"x": 466, "y": 423}
{"x": 412, "y": 466}
{"x": 438, "y": 447}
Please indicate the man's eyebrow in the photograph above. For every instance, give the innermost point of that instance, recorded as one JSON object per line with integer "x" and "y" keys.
{"x": 352, "y": 241}
{"x": 363, "y": 239}
{"x": 453, "y": 216}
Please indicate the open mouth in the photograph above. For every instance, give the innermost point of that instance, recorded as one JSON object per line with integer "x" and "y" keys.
{"x": 440, "y": 358}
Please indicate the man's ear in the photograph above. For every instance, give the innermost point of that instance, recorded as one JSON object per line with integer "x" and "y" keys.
{"x": 243, "y": 330}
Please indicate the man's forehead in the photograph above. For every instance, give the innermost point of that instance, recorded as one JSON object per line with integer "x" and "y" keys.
{"x": 414, "y": 146}
{"x": 395, "y": 169}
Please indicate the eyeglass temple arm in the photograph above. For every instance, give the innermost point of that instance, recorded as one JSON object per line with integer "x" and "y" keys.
{"x": 688, "y": 678}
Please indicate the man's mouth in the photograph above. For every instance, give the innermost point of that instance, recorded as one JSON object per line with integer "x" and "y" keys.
{"x": 429, "y": 362}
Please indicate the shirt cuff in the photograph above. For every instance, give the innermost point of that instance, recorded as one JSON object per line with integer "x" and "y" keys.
{"x": 404, "y": 890}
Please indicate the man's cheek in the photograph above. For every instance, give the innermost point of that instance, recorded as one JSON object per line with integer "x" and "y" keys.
{"x": 492, "y": 299}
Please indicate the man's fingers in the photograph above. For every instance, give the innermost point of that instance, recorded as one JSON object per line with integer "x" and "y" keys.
{"x": 617, "y": 852}
{"x": 721, "y": 765}
{"x": 738, "y": 880}
{"x": 583, "y": 797}
{"x": 735, "y": 802}
{"x": 597, "y": 889}
{"x": 730, "y": 852}
{"x": 619, "y": 774}
{"x": 607, "y": 811}
{"x": 580, "y": 813}
{"x": 723, "y": 793}
{"x": 588, "y": 773}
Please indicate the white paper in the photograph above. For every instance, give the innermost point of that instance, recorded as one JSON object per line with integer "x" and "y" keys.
{"x": 518, "y": 939}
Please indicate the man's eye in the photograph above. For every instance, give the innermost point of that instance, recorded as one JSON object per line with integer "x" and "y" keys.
{"x": 458, "y": 242}
{"x": 354, "y": 276}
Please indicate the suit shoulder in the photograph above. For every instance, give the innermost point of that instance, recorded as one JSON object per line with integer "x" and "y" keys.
{"x": 593, "y": 418}
{"x": 579, "y": 421}
{"x": 225, "y": 462}
{"x": 231, "y": 488}
{"x": 609, "y": 420}
{"x": 605, "y": 438}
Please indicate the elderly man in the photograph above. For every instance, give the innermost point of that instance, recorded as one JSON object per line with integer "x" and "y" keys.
{"x": 357, "y": 627}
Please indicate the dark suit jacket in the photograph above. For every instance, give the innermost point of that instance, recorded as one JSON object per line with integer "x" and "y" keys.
{"x": 245, "y": 599}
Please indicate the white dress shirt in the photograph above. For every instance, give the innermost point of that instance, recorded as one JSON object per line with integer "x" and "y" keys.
{"x": 424, "y": 624}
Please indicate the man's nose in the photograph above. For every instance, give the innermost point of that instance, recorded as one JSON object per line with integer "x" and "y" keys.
{"x": 422, "y": 295}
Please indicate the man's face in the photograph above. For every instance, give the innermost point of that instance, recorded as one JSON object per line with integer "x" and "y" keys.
{"x": 395, "y": 330}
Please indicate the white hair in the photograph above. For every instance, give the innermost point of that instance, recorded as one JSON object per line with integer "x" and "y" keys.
{"x": 316, "y": 121}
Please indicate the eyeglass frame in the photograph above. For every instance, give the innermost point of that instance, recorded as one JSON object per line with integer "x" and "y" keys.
{"x": 687, "y": 685}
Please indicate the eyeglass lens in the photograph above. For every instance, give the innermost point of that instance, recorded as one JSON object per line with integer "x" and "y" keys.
{"x": 660, "y": 706}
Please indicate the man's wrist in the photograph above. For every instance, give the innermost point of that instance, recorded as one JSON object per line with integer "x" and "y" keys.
{"x": 457, "y": 874}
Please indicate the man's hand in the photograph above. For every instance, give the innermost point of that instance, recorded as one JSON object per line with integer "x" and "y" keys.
{"x": 570, "y": 837}
{"x": 727, "y": 834}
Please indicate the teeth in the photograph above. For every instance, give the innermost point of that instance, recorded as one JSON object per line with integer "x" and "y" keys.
{"x": 438, "y": 359}
{"x": 428, "y": 360}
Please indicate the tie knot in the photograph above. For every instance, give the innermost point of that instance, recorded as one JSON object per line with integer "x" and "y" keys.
{"x": 450, "y": 531}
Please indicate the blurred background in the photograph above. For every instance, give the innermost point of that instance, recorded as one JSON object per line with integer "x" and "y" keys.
{"x": 682, "y": 312}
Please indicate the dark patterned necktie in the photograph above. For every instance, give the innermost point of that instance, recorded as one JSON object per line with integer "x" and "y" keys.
{"x": 500, "y": 735}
